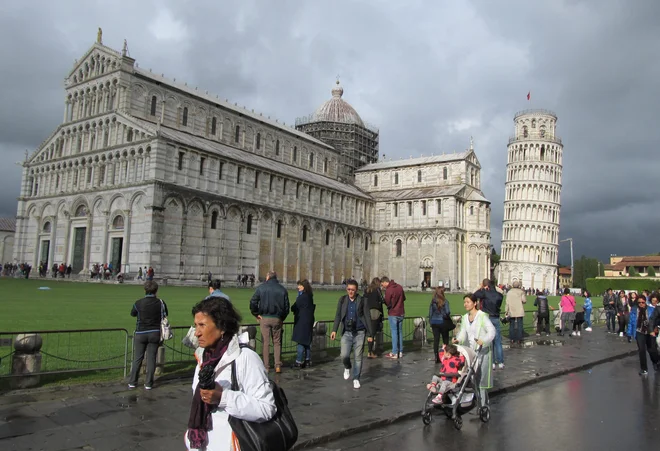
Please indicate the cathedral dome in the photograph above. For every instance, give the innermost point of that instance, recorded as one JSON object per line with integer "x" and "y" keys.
{"x": 337, "y": 110}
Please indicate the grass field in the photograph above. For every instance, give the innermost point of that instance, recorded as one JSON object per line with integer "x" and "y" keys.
{"x": 93, "y": 305}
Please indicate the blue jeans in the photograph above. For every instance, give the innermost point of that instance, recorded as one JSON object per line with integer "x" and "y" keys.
{"x": 353, "y": 341}
{"x": 397, "y": 333}
{"x": 304, "y": 353}
{"x": 516, "y": 329}
{"x": 497, "y": 343}
{"x": 587, "y": 317}
{"x": 610, "y": 318}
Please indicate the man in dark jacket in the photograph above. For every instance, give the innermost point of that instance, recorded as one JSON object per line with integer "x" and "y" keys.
{"x": 609, "y": 304}
{"x": 394, "y": 300}
{"x": 149, "y": 311}
{"x": 542, "y": 314}
{"x": 353, "y": 315}
{"x": 270, "y": 305}
{"x": 491, "y": 303}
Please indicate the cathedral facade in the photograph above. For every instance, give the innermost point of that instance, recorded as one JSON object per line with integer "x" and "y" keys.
{"x": 146, "y": 171}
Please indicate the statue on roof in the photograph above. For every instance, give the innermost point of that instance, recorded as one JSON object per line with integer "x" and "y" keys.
{"x": 99, "y": 36}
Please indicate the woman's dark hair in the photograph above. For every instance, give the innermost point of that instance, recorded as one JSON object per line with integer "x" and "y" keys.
{"x": 439, "y": 297}
{"x": 222, "y": 312}
{"x": 586, "y": 294}
{"x": 307, "y": 287}
{"x": 472, "y": 297}
{"x": 567, "y": 291}
{"x": 373, "y": 286}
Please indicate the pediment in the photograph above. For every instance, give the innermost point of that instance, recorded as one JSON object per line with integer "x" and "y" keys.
{"x": 85, "y": 67}
{"x": 472, "y": 158}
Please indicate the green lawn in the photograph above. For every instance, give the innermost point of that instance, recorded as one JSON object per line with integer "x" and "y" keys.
{"x": 93, "y": 305}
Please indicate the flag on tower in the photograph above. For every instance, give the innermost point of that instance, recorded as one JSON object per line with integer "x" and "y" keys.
{"x": 529, "y": 95}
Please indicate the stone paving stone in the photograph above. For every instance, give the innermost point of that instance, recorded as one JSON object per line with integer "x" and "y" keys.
{"x": 325, "y": 405}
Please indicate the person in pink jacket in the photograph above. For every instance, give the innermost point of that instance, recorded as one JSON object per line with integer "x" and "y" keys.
{"x": 567, "y": 305}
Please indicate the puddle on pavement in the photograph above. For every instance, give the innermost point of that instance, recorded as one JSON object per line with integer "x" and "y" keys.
{"x": 532, "y": 343}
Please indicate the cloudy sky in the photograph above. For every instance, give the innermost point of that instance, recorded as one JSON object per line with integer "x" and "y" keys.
{"x": 429, "y": 74}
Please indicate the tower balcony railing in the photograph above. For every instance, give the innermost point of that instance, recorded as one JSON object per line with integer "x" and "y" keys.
{"x": 535, "y": 111}
{"x": 535, "y": 137}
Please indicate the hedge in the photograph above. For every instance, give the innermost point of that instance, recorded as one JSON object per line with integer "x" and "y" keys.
{"x": 598, "y": 286}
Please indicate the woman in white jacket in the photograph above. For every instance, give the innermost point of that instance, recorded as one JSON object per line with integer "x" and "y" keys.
{"x": 216, "y": 328}
{"x": 477, "y": 330}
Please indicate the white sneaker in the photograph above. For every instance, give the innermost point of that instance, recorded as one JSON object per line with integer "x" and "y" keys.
{"x": 578, "y": 333}
{"x": 572, "y": 334}
{"x": 501, "y": 366}
{"x": 493, "y": 366}
{"x": 588, "y": 329}
{"x": 620, "y": 334}
{"x": 347, "y": 374}
{"x": 356, "y": 384}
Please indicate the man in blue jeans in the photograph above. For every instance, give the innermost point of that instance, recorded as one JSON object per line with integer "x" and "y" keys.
{"x": 491, "y": 303}
{"x": 394, "y": 300}
{"x": 354, "y": 317}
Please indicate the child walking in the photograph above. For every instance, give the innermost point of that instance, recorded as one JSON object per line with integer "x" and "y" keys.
{"x": 451, "y": 361}
{"x": 588, "y": 307}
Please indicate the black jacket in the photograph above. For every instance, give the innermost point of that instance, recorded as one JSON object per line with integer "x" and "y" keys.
{"x": 491, "y": 300}
{"x": 303, "y": 319}
{"x": 148, "y": 312}
{"x": 270, "y": 299}
{"x": 374, "y": 301}
{"x": 607, "y": 298}
{"x": 541, "y": 302}
{"x": 362, "y": 311}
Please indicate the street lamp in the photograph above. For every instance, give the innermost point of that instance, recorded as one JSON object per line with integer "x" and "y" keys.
{"x": 572, "y": 268}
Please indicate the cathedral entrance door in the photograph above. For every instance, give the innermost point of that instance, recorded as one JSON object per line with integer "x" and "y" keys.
{"x": 45, "y": 248}
{"x": 115, "y": 256}
{"x": 427, "y": 278}
{"x": 78, "y": 249}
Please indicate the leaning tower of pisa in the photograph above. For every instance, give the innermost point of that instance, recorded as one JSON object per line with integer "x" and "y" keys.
{"x": 530, "y": 231}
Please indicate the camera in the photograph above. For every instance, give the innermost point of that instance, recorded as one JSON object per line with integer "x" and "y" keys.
{"x": 505, "y": 320}
{"x": 350, "y": 325}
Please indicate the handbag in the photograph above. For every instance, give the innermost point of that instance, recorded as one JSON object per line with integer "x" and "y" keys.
{"x": 277, "y": 434}
{"x": 448, "y": 323}
{"x": 190, "y": 340}
{"x": 165, "y": 328}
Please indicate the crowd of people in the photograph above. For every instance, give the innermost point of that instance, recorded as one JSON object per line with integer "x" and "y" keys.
{"x": 16, "y": 270}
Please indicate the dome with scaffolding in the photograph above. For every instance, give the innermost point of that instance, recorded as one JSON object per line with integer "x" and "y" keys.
{"x": 337, "y": 110}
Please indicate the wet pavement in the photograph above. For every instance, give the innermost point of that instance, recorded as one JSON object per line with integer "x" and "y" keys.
{"x": 609, "y": 407}
{"x": 110, "y": 417}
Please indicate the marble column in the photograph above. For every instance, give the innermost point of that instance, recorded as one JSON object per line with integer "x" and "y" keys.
{"x": 35, "y": 258}
{"x": 127, "y": 240}
{"x": 88, "y": 242}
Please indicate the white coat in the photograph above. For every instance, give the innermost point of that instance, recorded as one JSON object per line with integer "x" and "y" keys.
{"x": 254, "y": 401}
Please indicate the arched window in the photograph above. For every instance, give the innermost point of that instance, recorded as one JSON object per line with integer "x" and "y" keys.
{"x": 419, "y": 176}
{"x": 304, "y": 234}
{"x": 366, "y": 243}
{"x": 214, "y": 220}
{"x": 444, "y": 173}
{"x": 311, "y": 160}
{"x": 396, "y": 178}
{"x": 525, "y": 132}
{"x": 375, "y": 180}
{"x": 47, "y": 227}
{"x": 258, "y": 141}
{"x": 277, "y": 147}
{"x": 348, "y": 241}
{"x": 533, "y": 123}
{"x": 279, "y": 228}
{"x": 129, "y": 136}
{"x": 327, "y": 237}
{"x": 81, "y": 211}
{"x": 249, "y": 225}
{"x": 185, "y": 116}
{"x": 154, "y": 100}
{"x": 118, "y": 222}
{"x": 214, "y": 126}
{"x": 398, "y": 248}
{"x": 325, "y": 165}
{"x": 542, "y": 131}
{"x": 237, "y": 134}
{"x": 295, "y": 154}
{"x": 471, "y": 210}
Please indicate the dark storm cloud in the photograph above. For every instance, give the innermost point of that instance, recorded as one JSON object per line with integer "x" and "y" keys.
{"x": 430, "y": 76}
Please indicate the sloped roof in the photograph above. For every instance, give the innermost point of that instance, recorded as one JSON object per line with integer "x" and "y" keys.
{"x": 653, "y": 260}
{"x": 259, "y": 161}
{"x": 459, "y": 156}
{"x": 8, "y": 224}
{"x": 416, "y": 193}
{"x": 564, "y": 271}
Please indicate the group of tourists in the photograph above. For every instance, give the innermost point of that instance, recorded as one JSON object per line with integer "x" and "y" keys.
{"x": 16, "y": 270}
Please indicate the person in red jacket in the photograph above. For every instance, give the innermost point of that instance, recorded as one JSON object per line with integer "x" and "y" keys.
{"x": 394, "y": 300}
{"x": 451, "y": 362}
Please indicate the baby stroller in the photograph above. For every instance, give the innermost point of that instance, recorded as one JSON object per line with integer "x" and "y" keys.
{"x": 462, "y": 398}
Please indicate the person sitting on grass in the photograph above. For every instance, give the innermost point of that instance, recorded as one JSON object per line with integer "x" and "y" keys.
{"x": 451, "y": 362}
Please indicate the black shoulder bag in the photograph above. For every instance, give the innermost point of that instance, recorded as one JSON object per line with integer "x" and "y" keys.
{"x": 447, "y": 322}
{"x": 277, "y": 434}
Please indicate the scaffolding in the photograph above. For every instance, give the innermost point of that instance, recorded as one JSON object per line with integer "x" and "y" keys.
{"x": 357, "y": 145}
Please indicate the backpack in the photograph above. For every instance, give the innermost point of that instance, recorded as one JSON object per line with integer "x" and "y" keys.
{"x": 277, "y": 434}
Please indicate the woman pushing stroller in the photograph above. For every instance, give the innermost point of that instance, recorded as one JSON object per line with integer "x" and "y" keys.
{"x": 478, "y": 333}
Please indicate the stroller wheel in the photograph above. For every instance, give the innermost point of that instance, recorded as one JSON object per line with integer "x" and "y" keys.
{"x": 426, "y": 418}
{"x": 458, "y": 423}
{"x": 484, "y": 414}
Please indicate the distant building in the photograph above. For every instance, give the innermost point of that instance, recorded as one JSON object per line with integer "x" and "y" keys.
{"x": 7, "y": 231}
{"x": 565, "y": 278}
{"x": 622, "y": 266}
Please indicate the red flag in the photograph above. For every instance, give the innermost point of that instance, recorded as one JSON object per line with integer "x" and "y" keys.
{"x": 529, "y": 95}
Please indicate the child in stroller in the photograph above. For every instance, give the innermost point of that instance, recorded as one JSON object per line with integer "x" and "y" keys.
{"x": 451, "y": 362}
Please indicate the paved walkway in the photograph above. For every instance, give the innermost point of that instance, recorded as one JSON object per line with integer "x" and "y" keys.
{"x": 109, "y": 417}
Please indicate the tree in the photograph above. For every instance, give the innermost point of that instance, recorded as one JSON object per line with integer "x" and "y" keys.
{"x": 585, "y": 268}
{"x": 494, "y": 257}
{"x": 632, "y": 272}
{"x": 650, "y": 271}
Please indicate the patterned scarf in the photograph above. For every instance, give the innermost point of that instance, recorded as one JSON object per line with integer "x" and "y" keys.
{"x": 199, "y": 421}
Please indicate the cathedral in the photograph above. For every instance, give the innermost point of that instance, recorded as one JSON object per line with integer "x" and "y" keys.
{"x": 147, "y": 171}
